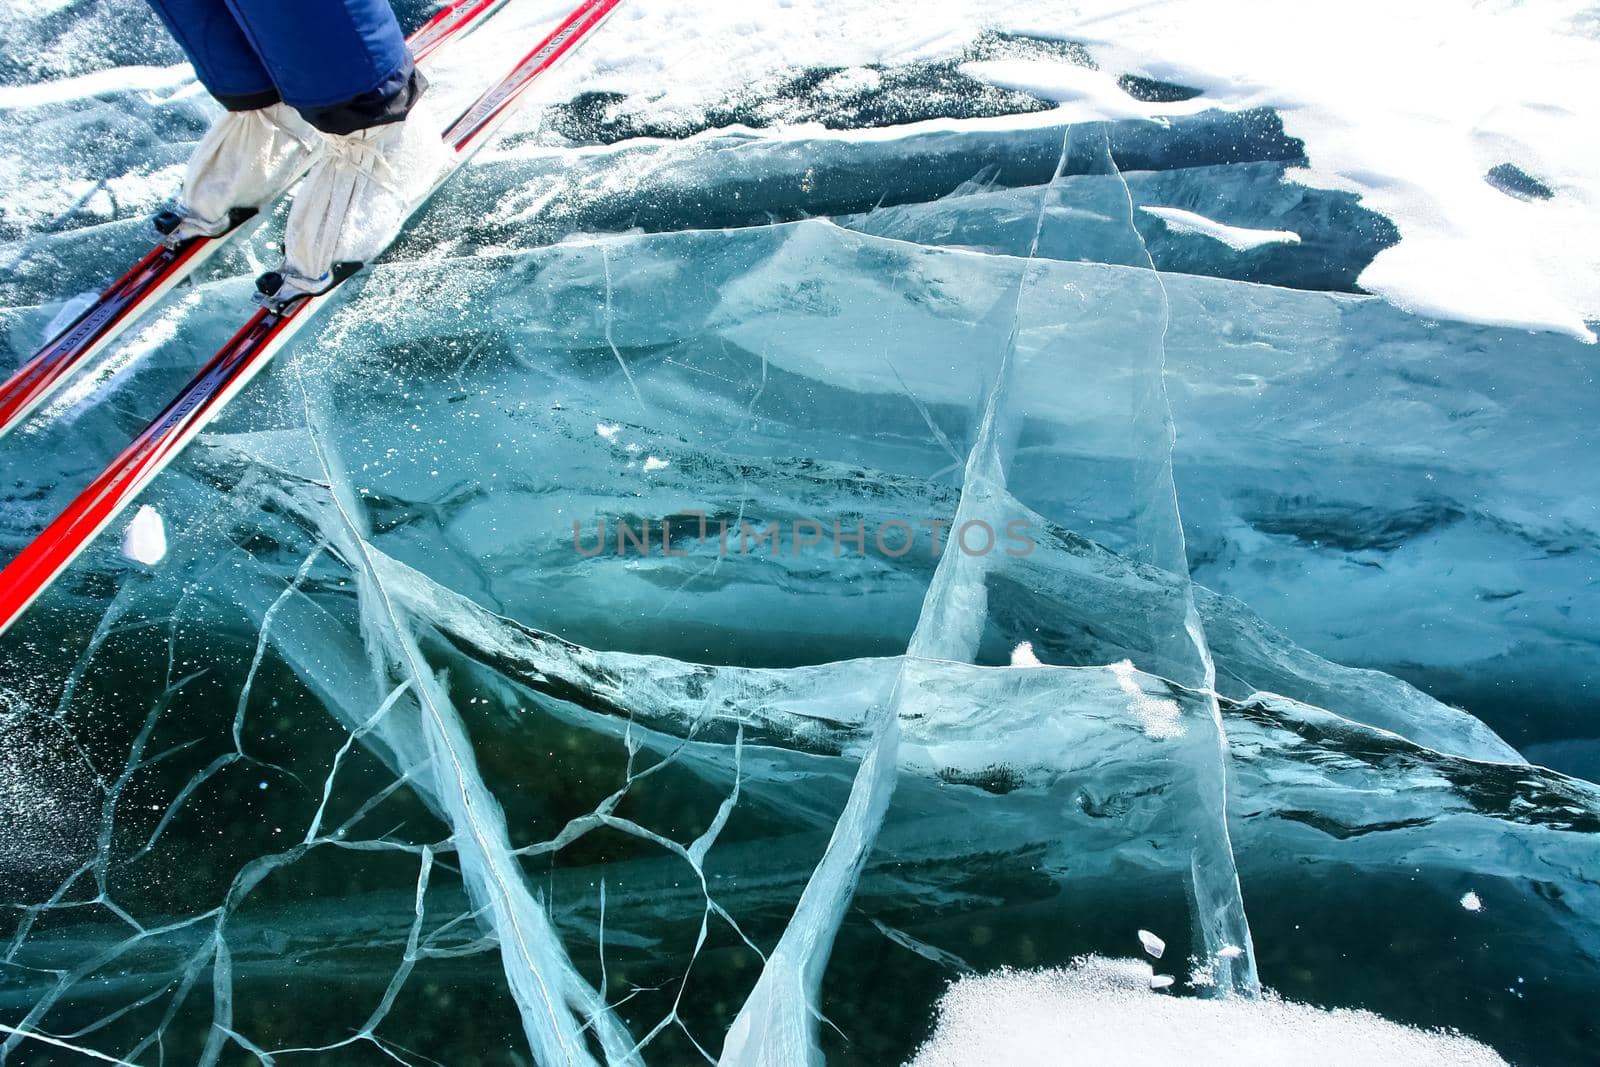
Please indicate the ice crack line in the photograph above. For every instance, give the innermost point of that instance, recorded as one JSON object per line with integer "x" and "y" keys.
{"x": 542, "y": 979}
{"x": 1214, "y": 880}
{"x": 777, "y": 1026}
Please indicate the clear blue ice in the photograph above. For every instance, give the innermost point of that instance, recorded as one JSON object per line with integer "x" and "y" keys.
{"x": 404, "y": 753}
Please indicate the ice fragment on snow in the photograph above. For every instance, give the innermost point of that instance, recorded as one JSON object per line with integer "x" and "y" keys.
{"x": 1160, "y": 981}
{"x": 1471, "y": 901}
{"x": 1153, "y": 945}
{"x": 145, "y": 539}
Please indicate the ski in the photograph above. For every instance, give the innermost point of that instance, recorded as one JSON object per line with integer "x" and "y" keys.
{"x": 155, "y": 275}
{"x": 267, "y": 332}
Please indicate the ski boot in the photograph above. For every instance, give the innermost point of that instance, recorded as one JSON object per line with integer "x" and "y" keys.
{"x": 243, "y": 162}
{"x": 353, "y": 203}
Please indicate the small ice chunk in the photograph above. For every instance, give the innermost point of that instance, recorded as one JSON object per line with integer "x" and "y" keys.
{"x": 1471, "y": 901}
{"x": 145, "y": 539}
{"x": 1230, "y": 952}
{"x": 607, "y": 431}
{"x": 651, "y": 463}
{"x": 1238, "y": 238}
{"x": 1153, "y": 945}
{"x": 1160, "y": 981}
{"x": 1022, "y": 656}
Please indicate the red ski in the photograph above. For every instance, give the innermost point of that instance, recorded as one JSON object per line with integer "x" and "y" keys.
{"x": 131, "y": 295}
{"x": 268, "y": 331}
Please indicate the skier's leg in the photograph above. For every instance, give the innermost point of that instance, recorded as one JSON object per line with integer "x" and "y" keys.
{"x": 222, "y": 56}
{"x": 255, "y": 148}
{"x": 343, "y": 64}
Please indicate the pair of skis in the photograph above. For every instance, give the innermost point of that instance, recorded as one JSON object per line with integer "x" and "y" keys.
{"x": 266, "y": 333}
{"x": 164, "y": 266}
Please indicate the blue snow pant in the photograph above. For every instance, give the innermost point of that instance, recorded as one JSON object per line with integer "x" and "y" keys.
{"x": 342, "y": 64}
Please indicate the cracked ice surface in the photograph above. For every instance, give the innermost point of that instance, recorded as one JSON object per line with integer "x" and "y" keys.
{"x": 394, "y": 756}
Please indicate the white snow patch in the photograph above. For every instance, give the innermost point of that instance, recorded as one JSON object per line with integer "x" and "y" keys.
{"x": 1159, "y": 717}
{"x": 1238, "y": 238}
{"x": 1085, "y": 95}
{"x": 1445, "y": 92}
{"x": 1103, "y": 1011}
{"x": 99, "y": 83}
{"x": 145, "y": 539}
{"x": 36, "y": 195}
{"x": 36, "y": 8}
{"x": 850, "y": 82}
{"x": 1023, "y": 656}
{"x": 1471, "y": 901}
{"x": 651, "y": 463}
{"x": 1153, "y": 945}
{"x": 607, "y": 431}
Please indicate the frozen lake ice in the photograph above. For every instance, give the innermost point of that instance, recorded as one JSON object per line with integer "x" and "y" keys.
{"x": 820, "y": 546}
